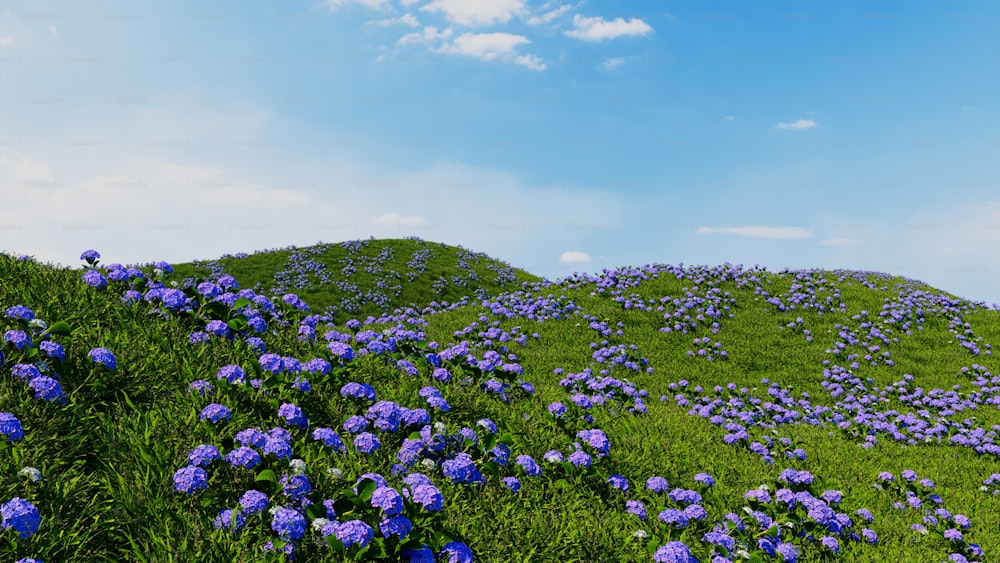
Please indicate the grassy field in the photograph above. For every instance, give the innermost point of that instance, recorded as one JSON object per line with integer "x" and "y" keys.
{"x": 341, "y": 402}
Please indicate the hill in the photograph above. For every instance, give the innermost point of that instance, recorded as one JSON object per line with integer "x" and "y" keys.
{"x": 653, "y": 413}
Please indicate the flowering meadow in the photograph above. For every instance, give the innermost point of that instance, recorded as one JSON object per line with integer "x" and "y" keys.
{"x": 407, "y": 401}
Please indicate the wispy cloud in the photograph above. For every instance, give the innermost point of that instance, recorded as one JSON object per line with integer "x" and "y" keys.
{"x": 548, "y": 16}
{"x": 405, "y": 19}
{"x": 598, "y": 29}
{"x": 492, "y": 46}
{"x": 612, "y": 63}
{"x": 400, "y": 220}
{"x": 376, "y": 4}
{"x": 574, "y": 256}
{"x": 428, "y": 34}
{"x": 730, "y": 118}
{"x": 797, "y": 125}
{"x": 6, "y": 40}
{"x": 476, "y": 12}
{"x": 757, "y": 231}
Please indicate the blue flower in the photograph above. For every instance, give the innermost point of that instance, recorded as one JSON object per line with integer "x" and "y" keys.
{"x": 618, "y": 482}
{"x": 358, "y": 391}
{"x": 636, "y": 507}
{"x": 93, "y": 278}
{"x": 388, "y": 499}
{"x": 25, "y": 371}
{"x": 254, "y": 501}
{"x": 673, "y": 552}
{"x": 90, "y": 256}
{"x": 355, "y": 532}
{"x": 20, "y": 312}
{"x": 427, "y": 496}
{"x": 278, "y": 447}
{"x": 233, "y": 374}
{"x": 580, "y": 458}
{"x": 53, "y": 350}
{"x": 47, "y": 388}
{"x": 190, "y": 479}
{"x": 674, "y": 517}
{"x": 232, "y": 521}
{"x": 203, "y": 455}
{"x": 366, "y": 442}
{"x": 295, "y": 485}
{"x": 421, "y": 555}
{"x": 329, "y": 438}
{"x": 11, "y": 426}
{"x": 104, "y": 357}
{"x": 18, "y": 338}
{"x": 215, "y": 412}
{"x": 705, "y": 479}
{"x": 788, "y": 551}
{"x": 512, "y": 483}
{"x": 251, "y": 437}
{"x": 290, "y": 524}
{"x": 657, "y": 484}
{"x": 293, "y": 415}
{"x": 456, "y": 552}
{"x": 21, "y": 516}
{"x": 201, "y": 386}
{"x": 397, "y": 525}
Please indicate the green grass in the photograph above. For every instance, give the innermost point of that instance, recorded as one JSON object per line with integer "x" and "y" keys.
{"x": 109, "y": 454}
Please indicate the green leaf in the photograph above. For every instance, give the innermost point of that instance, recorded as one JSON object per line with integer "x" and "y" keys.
{"x": 651, "y": 546}
{"x": 489, "y": 443}
{"x": 506, "y": 439}
{"x": 316, "y": 510}
{"x": 61, "y": 328}
{"x": 240, "y": 303}
{"x": 267, "y": 475}
{"x": 365, "y": 489}
{"x": 238, "y": 324}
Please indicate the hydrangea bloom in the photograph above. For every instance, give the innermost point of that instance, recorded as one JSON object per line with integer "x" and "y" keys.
{"x": 254, "y": 501}
{"x": 53, "y": 350}
{"x": 229, "y": 519}
{"x": 330, "y": 439}
{"x": 512, "y": 483}
{"x": 354, "y": 532}
{"x": 18, "y": 338}
{"x": 636, "y": 507}
{"x": 358, "y": 391}
{"x": 233, "y": 374}
{"x": 366, "y": 442}
{"x": 705, "y": 479}
{"x": 388, "y": 499}
{"x": 104, "y": 357}
{"x": 47, "y": 388}
{"x": 397, "y": 525}
{"x": 618, "y": 482}
{"x": 20, "y": 312}
{"x": 215, "y": 412}
{"x": 456, "y": 552}
{"x": 673, "y": 552}
{"x": 421, "y": 555}
{"x": 190, "y": 479}
{"x": 529, "y": 465}
{"x": 427, "y": 496}
{"x": 203, "y": 455}
{"x": 657, "y": 484}
{"x": 93, "y": 278}
{"x": 295, "y": 485}
{"x": 21, "y": 516}
{"x": 290, "y": 524}
{"x": 278, "y": 447}
{"x": 293, "y": 415}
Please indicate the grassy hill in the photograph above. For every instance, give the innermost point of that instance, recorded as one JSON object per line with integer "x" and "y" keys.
{"x": 637, "y": 415}
{"x": 364, "y": 277}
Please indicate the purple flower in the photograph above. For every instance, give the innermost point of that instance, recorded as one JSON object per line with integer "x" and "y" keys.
{"x": 366, "y": 442}
{"x": 190, "y": 479}
{"x": 705, "y": 479}
{"x": 203, "y": 455}
{"x": 421, "y": 555}
{"x": 657, "y": 484}
{"x": 218, "y": 328}
{"x": 355, "y": 532}
{"x": 278, "y": 447}
{"x": 290, "y": 524}
{"x": 232, "y": 373}
{"x": 719, "y": 538}
{"x": 397, "y": 525}
{"x": 673, "y": 552}
{"x": 952, "y": 534}
{"x": 230, "y": 520}
{"x": 104, "y": 357}
{"x": 512, "y": 483}
{"x": 636, "y": 507}
{"x": 788, "y": 551}
{"x": 53, "y": 350}
{"x": 388, "y": 499}
{"x": 18, "y": 338}
{"x": 90, "y": 256}
{"x": 427, "y": 496}
{"x": 580, "y": 458}
{"x": 830, "y": 543}
{"x": 254, "y": 501}
{"x": 21, "y": 516}
{"x": 886, "y": 476}
{"x": 529, "y": 465}
{"x": 251, "y": 437}
{"x": 20, "y": 312}
{"x": 47, "y": 388}
{"x": 358, "y": 391}
{"x": 201, "y": 386}
{"x": 909, "y": 475}
{"x": 618, "y": 482}
{"x": 215, "y": 412}
{"x": 329, "y": 438}
{"x": 870, "y": 536}
{"x": 674, "y": 517}
{"x": 93, "y": 278}
{"x": 293, "y": 415}
{"x": 11, "y": 426}
{"x": 557, "y": 409}
{"x": 25, "y": 371}
{"x": 456, "y": 552}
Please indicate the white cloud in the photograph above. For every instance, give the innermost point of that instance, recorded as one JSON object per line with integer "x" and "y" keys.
{"x": 476, "y": 12}
{"x": 597, "y": 29}
{"x": 6, "y": 41}
{"x": 408, "y": 3}
{"x": 52, "y": 30}
{"x": 613, "y": 63}
{"x": 405, "y": 19}
{"x": 549, "y": 16}
{"x": 429, "y": 33}
{"x": 399, "y": 220}
{"x": 376, "y": 4}
{"x": 797, "y": 125}
{"x": 24, "y": 169}
{"x": 839, "y": 242}
{"x": 730, "y": 118}
{"x": 490, "y": 46}
{"x": 757, "y": 231}
{"x": 573, "y": 256}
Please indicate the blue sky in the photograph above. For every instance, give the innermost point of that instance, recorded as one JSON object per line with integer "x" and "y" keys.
{"x": 559, "y": 137}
